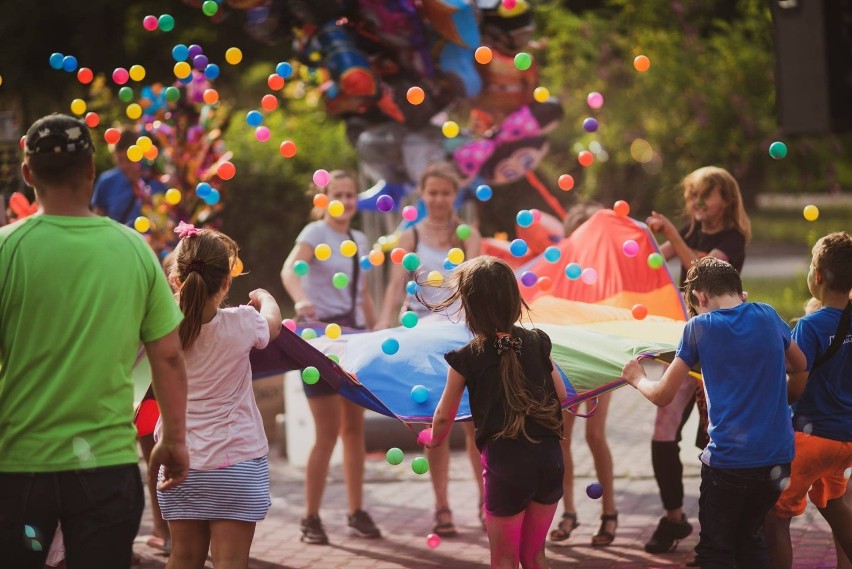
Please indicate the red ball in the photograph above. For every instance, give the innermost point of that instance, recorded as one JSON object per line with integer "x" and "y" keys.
{"x": 639, "y": 311}
{"x": 226, "y": 170}
{"x": 275, "y": 82}
{"x": 545, "y": 283}
{"x": 396, "y": 255}
{"x": 585, "y": 158}
{"x": 269, "y": 102}
{"x": 93, "y": 119}
{"x": 621, "y": 208}
{"x": 566, "y": 182}
{"x": 111, "y": 135}
{"x": 287, "y": 149}
{"x": 85, "y": 75}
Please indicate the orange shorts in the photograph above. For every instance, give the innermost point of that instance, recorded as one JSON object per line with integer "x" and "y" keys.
{"x": 820, "y": 471}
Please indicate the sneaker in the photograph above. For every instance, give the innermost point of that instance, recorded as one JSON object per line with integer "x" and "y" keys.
{"x": 313, "y": 532}
{"x": 667, "y": 534}
{"x": 361, "y": 525}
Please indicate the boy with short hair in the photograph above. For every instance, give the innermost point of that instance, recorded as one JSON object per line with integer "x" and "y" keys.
{"x": 743, "y": 348}
{"x": 822, "y": 414}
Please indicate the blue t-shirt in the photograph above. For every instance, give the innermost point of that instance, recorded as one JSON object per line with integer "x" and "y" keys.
{"x": 742, "y": 360}
{"x": 825, "y": 408}
{"x": 114, "y": 194}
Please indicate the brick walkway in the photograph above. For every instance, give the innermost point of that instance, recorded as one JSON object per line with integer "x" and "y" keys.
{"x": 401, "y": 504}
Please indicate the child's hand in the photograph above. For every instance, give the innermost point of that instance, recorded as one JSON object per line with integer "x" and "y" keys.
{"x": 633, "y": 372}
{"x": 256, "y": 297}
{"x": 659, "y": 223}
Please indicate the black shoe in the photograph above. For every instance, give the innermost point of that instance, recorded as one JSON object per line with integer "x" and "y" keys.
{"x": 361, "y": 525}
{"x": 313, "y": 532}
{"x": 667, "y": 534}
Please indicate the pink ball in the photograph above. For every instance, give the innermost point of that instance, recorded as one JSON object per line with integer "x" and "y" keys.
{"x": 630, "y": 248}
{"x": 433, "y": 540}
{"x": 424, "y": 437}
{"x": 150, "y": 23}
{"x": 290, "y": 324}
{"x": 536, "y": 213}
{"x": 409, "y": 212}
{"x": 120, "y": 75}
{"x": 262, "y": 133}
{"x": 595, "y": 100}
{"x": 321, "y": 178}
{"x": 589, "y": 276}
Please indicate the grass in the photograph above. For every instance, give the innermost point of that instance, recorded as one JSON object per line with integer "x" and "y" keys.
{"x": 788, "y": 226}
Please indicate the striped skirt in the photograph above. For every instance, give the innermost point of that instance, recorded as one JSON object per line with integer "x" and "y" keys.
{"x": 238, "y": 492}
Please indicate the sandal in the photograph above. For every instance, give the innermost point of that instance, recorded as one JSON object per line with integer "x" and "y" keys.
{"x": 563, "y": 530}
{"x": 444, "y": 529}
{"x": 604, "y": 537}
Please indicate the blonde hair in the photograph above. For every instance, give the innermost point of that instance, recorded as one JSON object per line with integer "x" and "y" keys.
{"x": 734, "y": 216}
{"x": 333, "y": 176}
{"x": 443, "y": 170}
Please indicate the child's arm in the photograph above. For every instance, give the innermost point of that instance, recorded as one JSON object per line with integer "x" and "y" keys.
{"x": 447, "y": 409}
{"x": 268, "y": 308}
{"x": 797, "y": 372}
{"x": 661, "y": 392}
{"x": 558, "y": 384}
{"x": 293, "y": 283}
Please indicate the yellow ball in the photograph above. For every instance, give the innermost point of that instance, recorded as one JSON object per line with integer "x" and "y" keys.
{"x": 333, "y": 331}
{"x": 455, "y": 256}
{"x": 434, "y": 278}
{"x": 811, "y": 212}
{"x": 134, "y": 153}
{"x": 348, "y": 248}
{"x": 173, "y": 196}
{"x": 137, "y": 72}
{"x": 1, "y": 79}
{"x": 322, "y": 252}
{"x": 237, "y": 269}
{"x": 233, "y": 55}
{"x": 182, "y": 69}
{"x": 134, "y": 111}
{"x": 450, "y": 129}
{"x": 541, "y": 94}
{"x": 142, "y": 224}
{"x": 144, "y": 143}
{"x": 78, "y": 106}
{"x": 335, "y": 208}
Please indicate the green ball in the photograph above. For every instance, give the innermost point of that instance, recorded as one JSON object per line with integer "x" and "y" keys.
{"x": 411, "y": 261}
{"x": 172, "y": 94}
{"x": 778, "y": 150}
{"x": 308, "y": 334}
{"x": 523, "y": 61}
{"x": 334, "y": 357}
{"x": 310, "y": 375}
{"x": 125, "y": 94}
{"x": 395, "y": 456}
{"x": 210, "y": 8}
{"x": 655, "y": 260}
{"x": 301, "y": 268}
{"x": 340, "y": 280}
{"x": 409, "y": 319}
{"x": 166, "y": 23}
{"x": 463, "y": 231}
{"x": 420, "y": 465}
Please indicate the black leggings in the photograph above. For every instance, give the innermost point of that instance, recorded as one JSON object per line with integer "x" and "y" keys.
{"x": 665, "y": 458}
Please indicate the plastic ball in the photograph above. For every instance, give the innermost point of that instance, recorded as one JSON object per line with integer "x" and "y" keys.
{"x": 142, "y": 224}
{"x": 213, "y": 197}
{"x": 209, "y": 8}
{"x": 395, "y": 456}
{"x": 254, "y": 118}
{"x": 396, "y": 255}
{"x": 434, "y": 278}
{"x": 778, "y": 150}
{"x": 585, "y": 158}
{"x": 310, "y": 375}
{"x": 639, "y": 311}
{"x": 172, "y": 93}
{"x": 69, "y": 63}
{"x": 420, "y": 465}
{"x": 483, "y": 55}
{"x": 415, "y": 95}
{"x": 424, "y": 437}
{"x": 411, "y": 262}
{"x": 450, "y": 129}
{"x": 321, "y": 178}
{"x": 621, "y": 208}
{"x": 409, "y": 319}
{"x": 212, "y": 71}
{"x": 85, "y": 75}
{"x": 484, "y": 193}
{"x": 594, "y": 490}
{"x": 566, "y": 182}
{"x": 284, "y": 70}
{"x": 518, "y": 247}
{"x": 151, "y": 153}
{"x": 275, "y": 82}
{"x": 335, "y": 208}
{"x": 536, "y": 213}
{"x": 541, "y": 94}
{"x": 290, "y": 324}
{"x": 412, "y": 288}
{"x": 524, "y": 218}
{"x": 573, "y": 271}
{"x": 322, "y": 252}
{"x": 433, "y": 540}
{"x": 455, "y": 256}
{"x": 203, "y": 189}
{"x": 149, "y": 23}
{"x": 92, "y": 119}
{"x": 269, "y": 102}
{"x": 334, "y": 357}
{"x": 55, "y": 60}
{"x": 308, "y": 334}
{"x": 529, "y": 279}
{"x": 589, "y": 276}
{"x": 137, "y": 72}
{"x": 376, "y": 257}
{"x": 463, "y": 231}
{"x": 262, "y": 133}
{"x": 182, "y": 69}
{"x": 226, "y": 170}
{"x": 111, "y": 135}
{"x": 811, "y": 212}
{"x": 287, "y": 149}
{"x": 655, "y": 260}
{"x": 409, "y": 213}
{"x": 390, "y": 346}
{"x": 333, "y": 331}
{"x": 523, "y": 61}
{"x": 595, "y": 100}
{"x": 180, "y": 52}
{"x": 420, "y": 394}
{"x": 630, "y": 248}
{"x": 145, "y": 143}
{"x": 301, "y": 268}
{"x": 364, "y": 263}
{"x": 641, "y": 63}
{"x": 509, "y": 4}
{"x": 544, "y": 283}
{"x": 120, "y": 75}
{"x": 133, "y": 111}
{"x": 78, "y": 106}
{"x": 173, "y": 196}
{"x": 384, "y": 203}
{"x": 134, "y": 153}
{"x": 590, "y": 124}
{"x": 348, "y": 248}
{"x": 166, "y": 23}
{"x": 233, "y": 55}
{"x": 340, "y": 280}
{"x": 125, "y": 94}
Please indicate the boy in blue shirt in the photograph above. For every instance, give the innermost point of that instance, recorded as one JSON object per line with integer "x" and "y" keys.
{"x": 822, "y": 415}
{"x": 743, "y": 348}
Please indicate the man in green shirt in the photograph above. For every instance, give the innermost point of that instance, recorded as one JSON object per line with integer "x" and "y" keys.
{"x": 78, "y": 293}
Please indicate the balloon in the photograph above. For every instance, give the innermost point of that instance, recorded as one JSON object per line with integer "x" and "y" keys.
{"x": 233, "y": 55}
{"x": 524, "y": 218}
{"x": 621, "y": 208}
{"x": 262, "y": 133}
{"x": 395, "y": 456}
{"x": 275, "y": 82}
{"x": 594, "y": 490}
{"x": 287, "y": 149}
{"x": 409, "y": 319}
{"x": 541, "y": 94}
{"x": 333, "y": 331}
{"x": 811, "y": 212}
{"x": 590, "y": 124}
{"x": 321, "y": 178}
{"x": 484, "y": 193}
{"x": 420, "y": 465}
{"x": 120, "y": 75}
{"x": 455, "y": 256}
{"x": 93, "y": 119}
{"x": 269, "y": 102}
{"x": 434, "y": 278}
{"x": 641, "y": 63}
{"x": 450, "y": 129}
{"x": 335, "y": 208}
{"x": 85, "y": 75}
{"x": 348, "y": 248}
{"x": 639, "y": 311}
{"x": 518, "y": 247}
{"x": 301, "y": 268}
{"x": 778, "y": 150}
{"x": 566, "y": 182}
{"x": 585, "y": 158}
{"x": 173, "y": 196}
{"x": 322, "y": 252}
{"x": 390, "y": 346}
{"x": 411, "y": 261}
{"x": 523, "y": 61}
{"x": 552, "y": 254}
{"x": 308, "y": 334}
{"x": 180, "y": 52}
{"x": 420, "y": 394}
{"x": 595, "y": 100}
{"x": 384, "y": 203}
{"x": 529, "y": 278}
{"x": 573, "y": 271}
{"x": 290, "y": 324}
{"x": 463, "y": 231}
{"x": 310, "y": 375}
{"x": 415, "y": 95}
{"x": 655, "y": 260}
{"x": 137, "y": 72}
{"x": 409, "y": 213}
{"x": 483, "y": 55}
{"x": 78, "y": 106}
{"x": 111, "y": 135}
{"x": 433, "y": 540}
{"x": 142, "y": 224}
{"x": 166, "y": 23}
{"x": 589, "y": 276}
{"x": 630, "y": 248}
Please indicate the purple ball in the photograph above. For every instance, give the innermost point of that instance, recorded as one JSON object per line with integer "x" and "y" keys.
{"x": 194, "y": 50}
{"x": 590, "y": 125}
{"x": 200, "y": 61}
{"x": 384, "y": 203}
{"x": 594, "y": 490}
{"x": 529, "y": 278}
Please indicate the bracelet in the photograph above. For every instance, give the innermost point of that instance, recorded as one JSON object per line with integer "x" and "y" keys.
{"x": 302, "y": 303}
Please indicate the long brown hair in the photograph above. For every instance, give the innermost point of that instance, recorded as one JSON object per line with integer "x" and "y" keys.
{"x": 204, "y": 261}
{"x": 709, "y": 177}
{"x": 492, "y": 303}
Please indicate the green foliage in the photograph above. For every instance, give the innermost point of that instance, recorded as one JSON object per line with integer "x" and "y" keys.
{"x": 786, "y": 295}
{"x": 777, "y": 225}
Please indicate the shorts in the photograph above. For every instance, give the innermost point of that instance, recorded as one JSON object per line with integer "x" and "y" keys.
{"x": 516, "y": 472}
{"x": 237, "y": 492}
{"x": 318, "y": 389}
{"x": 819, "y": 470}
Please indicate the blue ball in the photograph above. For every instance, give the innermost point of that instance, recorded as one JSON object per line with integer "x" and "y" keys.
{"x": 529, "y": 278}
{"x": 56, "y": 59}
{"x": 552, "y": 254}
{"x": 284, "y": 69}
{"x": 412, "y": 287}
{"x": 203, "y": 189}
{"x": 484, "y": 193}
{"x": 365, "y": 263}
{"x": 573, "y": 271}
{"x": 384, "y": 204}
{"x": 518, "y": 247}
{"x": 590, "y": 125}
{"x": 211, "y": 71}
{"x": 448, "y": 265}
{"x": 594, "y": 490}
{"x": 254, "y": 118}
{"x": 524, "y": 218}
{"x": 69, "y": 63}
{"x": 390, "y": 346}
{"x": 419, "y": 393}
{"x": 180, "y": 52}
{"x": 186, "y": 80}
{"x": 213, "y": 197}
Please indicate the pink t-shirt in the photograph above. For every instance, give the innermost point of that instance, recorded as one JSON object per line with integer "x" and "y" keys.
{"x": 223, "y": 424}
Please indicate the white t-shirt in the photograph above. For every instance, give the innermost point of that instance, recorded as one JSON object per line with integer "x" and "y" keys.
{"x": 223, "y": 424}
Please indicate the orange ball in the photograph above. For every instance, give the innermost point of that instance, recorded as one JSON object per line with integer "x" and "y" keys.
{"x": 376, "y": 257}
{"x": 93, "y": 119}
{"x": 397, "y": 254}
{"x": 111, "y": 135}
{"x": 415, "y": 95}
{"x": 210, "y": 96}
{"x": 275, "y": 82}
{"x": 226, "y": 170}
{"x": 483, "y": 55}
{"x": 544, "y": 283}
{"x": 585, "y": 158}
{"x": 642, "y": 63}
{"x": 566, "y": 182}
{"x": 287, "y": 149}
{"x": 151, "y": 153}
{"x": 621, "y": 208}
{"x": 639, "y": 311}
{"x": 269, "y": 102}
{"x": 321, "y": 201}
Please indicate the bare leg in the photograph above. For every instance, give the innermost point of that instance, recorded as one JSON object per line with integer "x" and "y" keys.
{"x": 439, "y": 471}
{"x": 566, "y": 524}
{"x": 504, "y": 538}
{"x": 190, "y": 543}
{"x": 161, "y": 528}
{"x": 475, "y": 463}
{"x": 537, "y": 520}
{"x": 230, "y": 542}
{"x": 326, "y": 413}
{"x": 776, "y": 532}
{"x": 838, "y": 514}
{"x": 354, "y": 451}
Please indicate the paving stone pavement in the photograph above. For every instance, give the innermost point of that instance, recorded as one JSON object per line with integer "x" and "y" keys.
{"x": 401, "y": 503}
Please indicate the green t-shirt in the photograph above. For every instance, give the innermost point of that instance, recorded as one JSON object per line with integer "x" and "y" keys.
{"x": 77, "y": 296}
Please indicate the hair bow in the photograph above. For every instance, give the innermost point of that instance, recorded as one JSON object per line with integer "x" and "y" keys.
{"x": 186, "y": 230}
{"x": 505, "y": 342}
